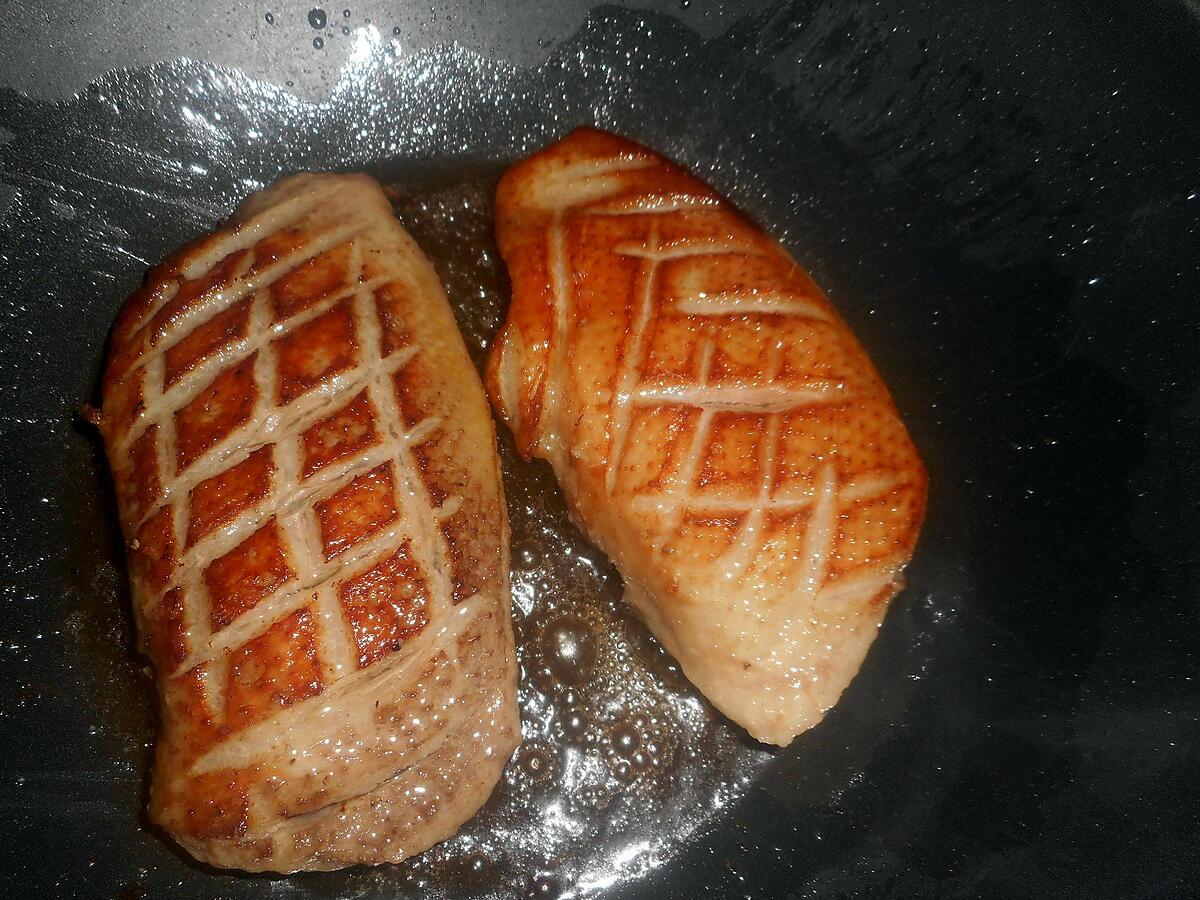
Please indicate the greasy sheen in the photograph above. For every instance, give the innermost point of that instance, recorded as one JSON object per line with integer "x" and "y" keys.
{"x": 310, "y": 493}
{"x": 715, "y": 426}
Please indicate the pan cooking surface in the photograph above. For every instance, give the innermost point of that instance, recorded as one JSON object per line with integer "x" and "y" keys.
{"x": 1006, "y": 213}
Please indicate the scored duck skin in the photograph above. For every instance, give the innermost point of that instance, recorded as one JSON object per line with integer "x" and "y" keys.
{"x": 309, "y": 489}
{"x": 714, "y": 424}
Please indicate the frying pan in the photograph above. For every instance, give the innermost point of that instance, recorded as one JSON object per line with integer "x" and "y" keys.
{"x": 1004, "y": 202}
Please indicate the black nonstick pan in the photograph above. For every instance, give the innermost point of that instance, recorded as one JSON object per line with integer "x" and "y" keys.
{"x": 1002, "y": 199}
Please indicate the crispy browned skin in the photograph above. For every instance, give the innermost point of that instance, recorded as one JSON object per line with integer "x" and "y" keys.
{"x": 310, "y": 493}
{"x": 716, "y": 427}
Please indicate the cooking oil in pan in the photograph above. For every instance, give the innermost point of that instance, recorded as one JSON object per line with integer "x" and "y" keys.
{"x": 622, "y": 759}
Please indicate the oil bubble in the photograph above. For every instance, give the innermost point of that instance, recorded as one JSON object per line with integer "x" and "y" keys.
{"x": 527, "y": 555}
{"x": 634, "y": 748}
{"x": 318, "y": 43}
{"x": 544, "y": 886}
{"x": 574, "y": 724}
{"x": 593, "y": 798}
{"x": 317, "y": 18}
{"x": 537, "y": 761}
{"x": 626, "y": 739}
{"x": 569, "y": 649}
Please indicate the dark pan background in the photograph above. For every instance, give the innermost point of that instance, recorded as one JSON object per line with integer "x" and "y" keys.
{"x": 1003, "y": 198}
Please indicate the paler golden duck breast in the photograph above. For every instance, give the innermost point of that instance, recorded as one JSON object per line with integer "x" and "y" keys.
{"x": 715, "y": 426}
{"x": 308, "y": 485}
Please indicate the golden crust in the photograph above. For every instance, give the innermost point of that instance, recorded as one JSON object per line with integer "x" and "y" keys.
{"x": 308, "y": 485}
{"x": 714, "y": 423}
